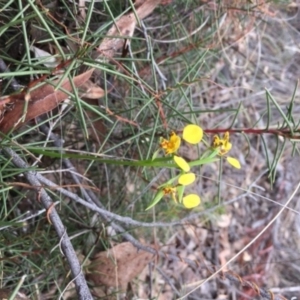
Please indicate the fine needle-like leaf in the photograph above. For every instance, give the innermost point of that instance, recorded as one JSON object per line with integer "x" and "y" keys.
{"x": 156, "y": 199}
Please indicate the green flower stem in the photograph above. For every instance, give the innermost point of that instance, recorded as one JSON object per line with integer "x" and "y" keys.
{"x": 162, "y": 162}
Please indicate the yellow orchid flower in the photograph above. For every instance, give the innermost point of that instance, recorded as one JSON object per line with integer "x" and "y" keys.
{"x": 223, "y": 144}
{"x": 172, "y": 144}
{"x": 224, "y": 147}
{"x": 174, "y": 191}
{"x": 191, "y": 133}
{"x": 169, "y": 190}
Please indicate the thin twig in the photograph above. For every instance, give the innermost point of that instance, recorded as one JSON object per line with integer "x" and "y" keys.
{"x": 92, "y": 198}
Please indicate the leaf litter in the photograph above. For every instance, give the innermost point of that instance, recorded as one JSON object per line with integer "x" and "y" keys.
{"x": 117, "y": 266}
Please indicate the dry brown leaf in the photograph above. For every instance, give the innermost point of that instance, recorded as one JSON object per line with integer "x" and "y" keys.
{"x": 124, "y": 27}
{"x": 147, "y": 8}
{"x": 118, "y": 265}
{"x": 91, "y": 90}
{"x": 4, "y": 104}
{"x": 40, "y": 100}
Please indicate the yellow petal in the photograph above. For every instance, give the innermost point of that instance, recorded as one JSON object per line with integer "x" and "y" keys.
{"x": 191, "y": 201}
{"x": 174, "y": 141}
{"x": 227, "y": 146}
{"x": 186, "y": 179}
{"x": 226, "y": 136}
{"x": 192, "y": 134}
{"x": 234, "y": 162}
{"x": 182, "y": 164}
{"x": 216, "y": 142}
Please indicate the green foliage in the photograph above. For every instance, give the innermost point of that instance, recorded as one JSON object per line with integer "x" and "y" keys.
{"x": 173, "y": 74}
